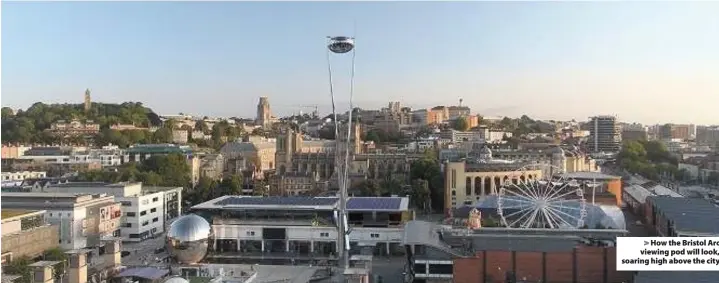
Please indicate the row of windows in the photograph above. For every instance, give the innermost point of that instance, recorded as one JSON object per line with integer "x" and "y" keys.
{"x": 142, "y": 213}
{"x": 128, "y": 203}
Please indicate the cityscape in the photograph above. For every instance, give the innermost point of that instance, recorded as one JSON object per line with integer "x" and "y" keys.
{"x": 334, "y": 190}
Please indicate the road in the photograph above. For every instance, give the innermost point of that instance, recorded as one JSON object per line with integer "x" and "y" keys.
{"x": 143, "y": 253}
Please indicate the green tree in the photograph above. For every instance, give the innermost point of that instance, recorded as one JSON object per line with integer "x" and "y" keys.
{"x": 200, "y": 125}
{"x": 162, "y": 135}
{"x": 21, "y": 267}
{"x": 232, "y": 185}
{"x": 461, "y": 124}
{"x": 57, "y": 254}
{"x": 421, "y": 195}
{"x": 427, "y": 168}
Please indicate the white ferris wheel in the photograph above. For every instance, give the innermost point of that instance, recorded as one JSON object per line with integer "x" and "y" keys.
{"x": 553, "y": 202}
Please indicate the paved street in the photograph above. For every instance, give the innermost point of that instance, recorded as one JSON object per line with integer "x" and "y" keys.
{"x": 143, "y": 253}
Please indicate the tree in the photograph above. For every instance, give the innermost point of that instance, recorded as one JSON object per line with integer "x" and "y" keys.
{"x": 650, "y": 159}
{"x": 421, "y": 194}
{"x": 200, "y": 125}
{"x": 28, "y": 126}
{"x": 461, "y": 124}
{"x": 20, "y": 266}
{"x": 162, "y": 135}
{"x": 427, "y": 168}
{"x": 370, "y": 188}
{"x": 57, "y": 254}
{"x": 232, "y": 185}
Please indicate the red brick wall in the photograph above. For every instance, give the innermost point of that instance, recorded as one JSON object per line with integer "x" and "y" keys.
{"x": 529, "y": 266}
{"x": 560, "y": 267}
{"x": 468, "y": 270}
{"x": 648, "y": 213}
{"x": 590, "y": 264}
{"x": 498, "y": 263}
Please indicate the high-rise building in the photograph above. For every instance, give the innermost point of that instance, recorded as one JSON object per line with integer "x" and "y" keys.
{"x": 605, "y": 134}
{"x": 264, "y": 115}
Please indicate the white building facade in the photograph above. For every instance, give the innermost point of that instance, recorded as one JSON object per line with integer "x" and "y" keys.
{"x": 303, "y": 225}
{"x": 144, "y": 209}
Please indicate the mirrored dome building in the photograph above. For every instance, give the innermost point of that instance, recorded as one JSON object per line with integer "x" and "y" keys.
{"x": 176, "y": 280}
{"x": 188, "y": 239}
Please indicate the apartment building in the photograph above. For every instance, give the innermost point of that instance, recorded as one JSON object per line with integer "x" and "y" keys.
{"x": 605, "y": 134}
{"x": 83, "y": 220}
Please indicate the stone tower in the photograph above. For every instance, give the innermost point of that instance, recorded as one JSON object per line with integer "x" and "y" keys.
{"x": 88, "y": 101}
{"x": 264, "y": 115}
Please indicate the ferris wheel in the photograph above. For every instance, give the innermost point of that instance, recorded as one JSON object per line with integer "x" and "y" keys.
{"x": 546, "y": 202}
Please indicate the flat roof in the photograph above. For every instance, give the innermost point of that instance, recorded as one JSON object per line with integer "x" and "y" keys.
{"x": 689, "y": 214}
{"x": 43, "y": 195}
{"x": 302, "y": 203}
{"x": 591, "y": 175}
{"x": 11, "y": 213}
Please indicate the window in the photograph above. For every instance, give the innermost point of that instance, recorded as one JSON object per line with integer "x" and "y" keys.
{"x": 155, "y": 199}
{"x": 127, "y": 225}
{"x": 374, "y": 235}
{"x": 145, "y": 223}
{"x": 440, "y": 269}
{"x": 143, "y": 213}
{"x": 153, "y": 210}
{"x": 126, "y": 203}
{"x": 250, "y": 233}
{"x": 134, "y": 236}
{"x": 130, "y": 214}
{"x": 155, "y": 220}
{"x": 324, "y": 234}
{"x": 420, "y": 268}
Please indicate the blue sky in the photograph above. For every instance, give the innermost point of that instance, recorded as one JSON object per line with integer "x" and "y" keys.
{"x": 647, "y": 62}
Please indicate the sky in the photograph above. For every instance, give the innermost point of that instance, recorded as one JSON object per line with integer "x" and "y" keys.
{"x": 646, "y": 62}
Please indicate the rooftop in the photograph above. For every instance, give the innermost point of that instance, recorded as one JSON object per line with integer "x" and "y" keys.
{"x": 10, "y": 213}
{"x": 301, "y": 203}
{"x": 688, "y": 214}
{"x": 159, "y": 148}
{"x": 591, "y": 175}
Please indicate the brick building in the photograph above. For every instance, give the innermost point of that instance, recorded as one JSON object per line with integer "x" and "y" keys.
{"x": 495, "y": 255}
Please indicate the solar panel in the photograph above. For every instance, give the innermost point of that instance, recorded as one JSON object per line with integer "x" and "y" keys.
{"x": 374, "y": 203}
{"x": 287, "y": 201}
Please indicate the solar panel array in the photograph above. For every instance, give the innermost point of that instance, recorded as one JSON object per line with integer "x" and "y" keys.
{"x": 287, "y": 201}
{"x": 369, "y": 203}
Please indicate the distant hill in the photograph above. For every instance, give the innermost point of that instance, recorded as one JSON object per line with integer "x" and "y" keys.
{"x": 28, "y": 125}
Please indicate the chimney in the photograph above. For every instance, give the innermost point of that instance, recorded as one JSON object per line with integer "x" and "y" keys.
{"x": 43, "y": 271}
{"x": 112, "y": 253}
{"x": 77, "y": 267}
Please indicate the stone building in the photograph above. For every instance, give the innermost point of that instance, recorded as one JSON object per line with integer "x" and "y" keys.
{"x": 259, "y": 153}
{"x": 481, "y": 174}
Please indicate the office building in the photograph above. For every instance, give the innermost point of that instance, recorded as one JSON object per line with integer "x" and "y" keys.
{"x": 145, "y": 209}
{"x": 83, "y": 220}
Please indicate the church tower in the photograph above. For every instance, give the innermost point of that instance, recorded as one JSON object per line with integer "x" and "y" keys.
{"x": 88, "y": 101}
{"x": 264, "y": 115}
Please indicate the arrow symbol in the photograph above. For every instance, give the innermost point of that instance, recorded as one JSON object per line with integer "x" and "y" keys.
{"x": 646, "y": 243}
